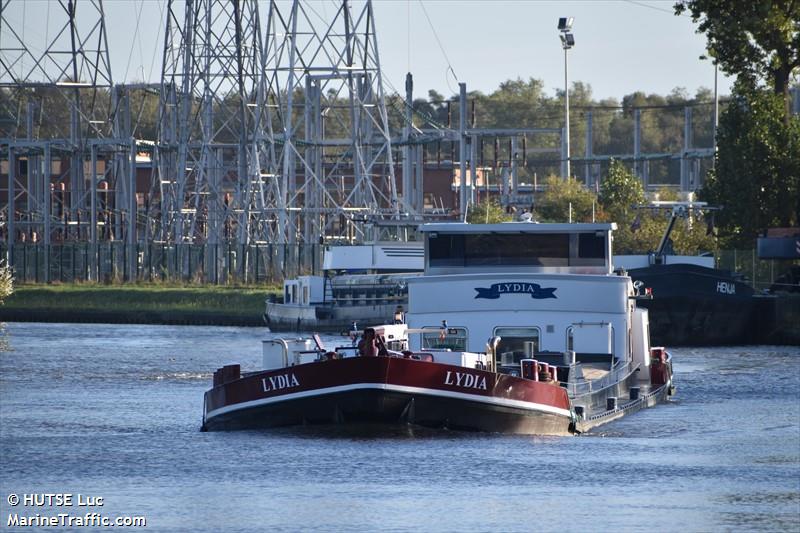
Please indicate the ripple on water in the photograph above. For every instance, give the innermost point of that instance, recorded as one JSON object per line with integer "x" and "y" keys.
{"x": 115, "y": 410}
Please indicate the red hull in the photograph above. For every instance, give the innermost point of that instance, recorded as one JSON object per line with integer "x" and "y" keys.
{"x": 390, "y": 390}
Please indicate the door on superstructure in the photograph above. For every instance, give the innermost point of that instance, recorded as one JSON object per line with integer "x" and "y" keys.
{"x": 591, "y": 341}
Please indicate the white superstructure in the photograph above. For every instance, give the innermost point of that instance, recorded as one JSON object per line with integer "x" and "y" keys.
{"x": 375, "y": 257}
{"x": 541, "y": 288}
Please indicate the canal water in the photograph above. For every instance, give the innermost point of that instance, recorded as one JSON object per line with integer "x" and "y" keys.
{"x": 114, "y": 412}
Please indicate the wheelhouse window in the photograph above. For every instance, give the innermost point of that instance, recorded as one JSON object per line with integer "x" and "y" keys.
{"x": 591, "y": 250}
{"x": 517, "y": 249}
{"x": 516, "y": 344}
{"x": 446, "y": 250}
{"x": 443, "y": 339}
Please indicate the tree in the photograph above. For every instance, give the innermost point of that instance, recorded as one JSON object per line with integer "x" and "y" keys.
{"x": 753, "y": 40}
{"x": 620, "y": 191}
{"x": 637, "y": 231}
{"x": 487, "y": 212}
{"x": 6, "y": 288}
{"x": 757, "y": 174}
{"x": 559, "y": 195}
{"x": 6, "y": 282}
{"x": 689, "y": 237}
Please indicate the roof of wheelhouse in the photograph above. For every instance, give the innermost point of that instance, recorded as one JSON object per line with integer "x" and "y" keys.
{"x": 516, "y": 227}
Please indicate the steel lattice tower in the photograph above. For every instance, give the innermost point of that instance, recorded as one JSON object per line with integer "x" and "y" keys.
{"x": 68, "y": 78}
{"x": 210, "y": 71}
{"x": 327, "y": 137}
{"x": 276, "y": 137}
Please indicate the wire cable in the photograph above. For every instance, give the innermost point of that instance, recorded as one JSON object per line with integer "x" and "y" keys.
{"x": 136, "y": 39}
{"x": 161, "y": 28}
{"x": 441, "y": 47}
{"x": 642, "y": 4}
{"x": 408, "y": 34}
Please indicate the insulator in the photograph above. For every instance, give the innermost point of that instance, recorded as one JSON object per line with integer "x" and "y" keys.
{"x": 525, "y": 152}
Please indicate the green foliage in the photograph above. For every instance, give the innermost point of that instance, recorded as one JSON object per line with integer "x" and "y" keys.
{"x": 139, "y": 298}
{"x": 554, "y": 204}
{"x": 642, "y": 240}
{"x": 640, "y": 230}
{"x": 757, "y": 175}
{"x": 487, "y": 212}
{"x": 6, "y": 288}
{"x": 753, "y": 40}
{"x": 620, "y": 190}
{"x": 6, "y": 282}
{"x": 666, "y": 194}
{"x": 688, "y": 237}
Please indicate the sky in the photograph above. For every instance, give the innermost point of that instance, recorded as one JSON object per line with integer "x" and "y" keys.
{"x": 622, "y": 46}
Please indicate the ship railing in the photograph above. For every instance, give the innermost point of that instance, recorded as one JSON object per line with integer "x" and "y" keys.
{"x": 616, "y": 375}
{"x": 370, "y": 298}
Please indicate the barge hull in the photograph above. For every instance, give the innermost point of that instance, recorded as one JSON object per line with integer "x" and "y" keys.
{"x": 694, "y": 305}
{"x": 388, "y": 390}
{"x": 381, "y": 406}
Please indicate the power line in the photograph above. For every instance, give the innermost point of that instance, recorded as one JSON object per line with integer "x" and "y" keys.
{"x": 642, "y": 4}
{"x": 648, "y": 106}
{"x": 441, "y": 47}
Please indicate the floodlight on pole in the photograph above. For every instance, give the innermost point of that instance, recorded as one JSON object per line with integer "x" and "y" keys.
{"x": 567, "y": 42}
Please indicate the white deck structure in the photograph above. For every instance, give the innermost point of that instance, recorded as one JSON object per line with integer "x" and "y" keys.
{"x": 541, "y": 288}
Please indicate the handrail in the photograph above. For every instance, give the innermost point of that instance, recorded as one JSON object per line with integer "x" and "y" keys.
{"x": 586, "y": 387}
{"x": 285, "y": 351}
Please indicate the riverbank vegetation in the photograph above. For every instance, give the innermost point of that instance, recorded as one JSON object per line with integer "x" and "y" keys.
{"x": 145, "y": 303}
{"x": 6, "y": 288}
{"x": 6, "y": 282}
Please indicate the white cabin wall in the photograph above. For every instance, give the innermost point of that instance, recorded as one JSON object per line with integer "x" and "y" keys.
{"x": 315, "y": 286}
{"x": 347, "y": 258}
{"x": 291, "y": 294}
{"x": 578, "y": 298}
{"x": 480, "y": 328}
{"x": 576, "y": 294}
{"x": 641, "y": 342}
{"x": 388, "y": 257}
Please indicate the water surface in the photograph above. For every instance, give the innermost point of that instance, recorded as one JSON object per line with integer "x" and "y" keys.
{"x": 115, "y": 411}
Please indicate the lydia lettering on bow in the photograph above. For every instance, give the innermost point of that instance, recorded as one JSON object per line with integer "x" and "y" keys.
{"x": 283, "y": 381}
{"x": 466, "y": 380}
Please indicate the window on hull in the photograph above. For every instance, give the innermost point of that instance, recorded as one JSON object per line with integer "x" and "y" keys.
{"x": 443, "y": 339}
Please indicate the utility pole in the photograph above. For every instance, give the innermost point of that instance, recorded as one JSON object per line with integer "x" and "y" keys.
{"x": 567, "y": 42}
{"x": 462, "y": 149}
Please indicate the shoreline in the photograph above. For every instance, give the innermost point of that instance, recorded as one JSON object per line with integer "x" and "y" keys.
{"x": 776, "y": 320}
{"x": 138, "y": 304}
{"x": 198, "y": 318}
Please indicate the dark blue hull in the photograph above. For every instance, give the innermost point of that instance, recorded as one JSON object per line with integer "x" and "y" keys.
{"x": 694, "y": 305}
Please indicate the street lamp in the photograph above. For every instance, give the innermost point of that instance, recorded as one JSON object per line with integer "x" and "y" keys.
{"x": 567, "y": 42}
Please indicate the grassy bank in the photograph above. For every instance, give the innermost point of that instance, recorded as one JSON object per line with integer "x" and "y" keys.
{"x": 154, "y": 303}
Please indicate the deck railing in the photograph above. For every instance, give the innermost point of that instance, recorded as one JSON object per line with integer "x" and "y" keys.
{"x": 617, "y": 374}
